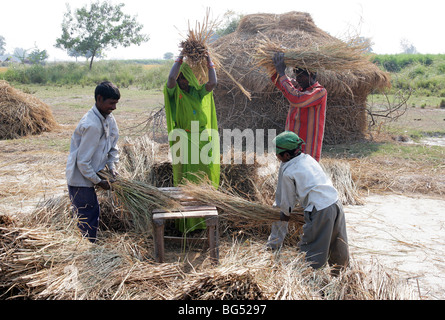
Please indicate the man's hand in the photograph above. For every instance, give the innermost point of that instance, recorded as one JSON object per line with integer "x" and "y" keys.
{"x": 284, "y": 217}
{"x": 114, "y": 173}
{"x": 280, "y": 66}
{"x": 105, "y": 184}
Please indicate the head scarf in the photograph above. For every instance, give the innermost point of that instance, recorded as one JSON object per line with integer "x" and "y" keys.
{"x": 189, "y": 75}
{"x": 287, "y": 140}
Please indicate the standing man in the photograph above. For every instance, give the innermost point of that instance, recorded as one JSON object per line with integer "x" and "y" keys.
{"x": 93, "y": 146}
{"x": 190, "y": 108}
{"x": 307, "y": 98}
{"x": 301, "y": 179}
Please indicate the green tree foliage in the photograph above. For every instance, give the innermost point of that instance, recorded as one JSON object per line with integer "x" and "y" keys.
{"x": 91, "y": 31}
{"x": 168, "y": 55}
{"x": 21, "y": 54}
{"x": 230, "y": 23}
{"x": 38, "y": 56}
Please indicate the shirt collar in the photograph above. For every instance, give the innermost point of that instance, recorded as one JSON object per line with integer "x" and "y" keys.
{"x": 97, "y": 113}
{"x": 285, "y": 165}
{"x": 316, "y": 84}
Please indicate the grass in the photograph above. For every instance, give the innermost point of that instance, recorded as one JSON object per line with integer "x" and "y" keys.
{"x": 422, "y": 154}
{"x": 123, "y": 74}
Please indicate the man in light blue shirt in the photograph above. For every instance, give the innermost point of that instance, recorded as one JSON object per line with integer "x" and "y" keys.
{"x": 93, "y": 147}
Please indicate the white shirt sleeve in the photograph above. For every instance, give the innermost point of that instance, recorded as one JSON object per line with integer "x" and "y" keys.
{"x": 288, "y": 195}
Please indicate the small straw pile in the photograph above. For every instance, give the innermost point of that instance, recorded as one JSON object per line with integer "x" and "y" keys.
{"x": 340, "y": 174}
{"x": 22, "y": 114}
{"x": 195, "y": 49}
{"x": 220, "y": 285}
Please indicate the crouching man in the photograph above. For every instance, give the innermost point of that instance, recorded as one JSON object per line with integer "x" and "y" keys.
{"x": 302, "y": 179}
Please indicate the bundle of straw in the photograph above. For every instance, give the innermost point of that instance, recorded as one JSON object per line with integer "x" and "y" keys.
{"x": 139, "y": 199}
{"x": 235, "y": 207}
{"x": 336, "y": 56}
{"x": 196, "y": 49}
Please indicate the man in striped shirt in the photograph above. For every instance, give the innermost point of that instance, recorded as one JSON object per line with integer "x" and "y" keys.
{"x": 307, "y": 112}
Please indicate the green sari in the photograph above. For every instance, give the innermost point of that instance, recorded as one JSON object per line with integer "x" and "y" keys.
{"x": 193, "y": 114}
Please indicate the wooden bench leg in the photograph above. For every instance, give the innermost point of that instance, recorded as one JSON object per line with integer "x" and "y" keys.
{"x": 159, "y": 239}
{"x": 213, "y": 236}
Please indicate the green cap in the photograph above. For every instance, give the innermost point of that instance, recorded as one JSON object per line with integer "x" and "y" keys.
{"x": 287, "y": 140}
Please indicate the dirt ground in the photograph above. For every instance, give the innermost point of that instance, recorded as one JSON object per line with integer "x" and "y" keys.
{"x": 405, "y": 235}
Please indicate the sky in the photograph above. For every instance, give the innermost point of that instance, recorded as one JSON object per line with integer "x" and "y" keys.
{"x": 29, "y": 23}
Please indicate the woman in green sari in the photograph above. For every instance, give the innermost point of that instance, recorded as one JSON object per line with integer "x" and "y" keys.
{"x": 193, "y": 129}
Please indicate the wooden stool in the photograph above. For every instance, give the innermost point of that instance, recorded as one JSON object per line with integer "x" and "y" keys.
{"x": 191, "y": 209}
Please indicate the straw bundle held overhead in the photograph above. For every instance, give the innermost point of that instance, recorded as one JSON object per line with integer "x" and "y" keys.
{"x": 22, "y": 114}
{"x": 336, "y": 56}
{"x": 334, "y": 61}
{"x": 196, "y": 48}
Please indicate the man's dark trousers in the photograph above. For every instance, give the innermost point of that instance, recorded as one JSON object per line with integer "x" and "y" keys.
{"x": 86, "y": 209}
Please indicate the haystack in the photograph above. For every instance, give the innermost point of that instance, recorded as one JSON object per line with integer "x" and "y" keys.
{"x": 22, "y": 114}
{"x": 347, "y": 88}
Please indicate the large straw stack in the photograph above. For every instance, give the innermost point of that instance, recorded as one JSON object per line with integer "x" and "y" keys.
{"x": 22, "y": 114}
{"x": 348, "y": 83}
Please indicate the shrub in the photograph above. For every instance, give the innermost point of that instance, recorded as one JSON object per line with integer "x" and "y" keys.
{"x": 122, "y": 73}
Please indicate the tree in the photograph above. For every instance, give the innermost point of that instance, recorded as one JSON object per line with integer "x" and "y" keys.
{"x": 366, "y": 43}
{"x": 21, "y": 54}
{"x": 38, "y": 56}
{"x": 168, "y": 55}
{"x": 2, "y": 45}
{"x": 91, "y": 31}
{"x": 231, "y": 22}
{"x": 407, "y": 46}
{"x": 74, "y": 53}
